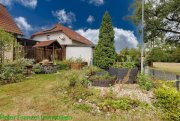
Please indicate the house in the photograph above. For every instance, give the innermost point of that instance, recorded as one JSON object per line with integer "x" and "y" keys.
{"x": 73, "y": 45}
{"x": 8, "y": 24}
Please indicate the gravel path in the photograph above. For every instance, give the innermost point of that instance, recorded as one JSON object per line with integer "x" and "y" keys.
{"x": 129, "y": 90}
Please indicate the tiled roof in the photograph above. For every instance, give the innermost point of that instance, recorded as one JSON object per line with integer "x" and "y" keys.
{"x": 70, "y": 33}
{"x": 44, "y": 43}
{"x": 6, "y": 21}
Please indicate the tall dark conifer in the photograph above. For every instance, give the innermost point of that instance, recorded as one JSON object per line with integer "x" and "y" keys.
{"x": 105, "y": 54}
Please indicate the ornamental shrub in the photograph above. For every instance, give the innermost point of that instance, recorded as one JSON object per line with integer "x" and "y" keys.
{"x": 14, "y": 71}
{"x": 63, "y": 65}
{"x": 168, "y": 99}
{"x": 122, "y": 103}
{"x": 144, "y": 81}
{"x": 10, "y": 75}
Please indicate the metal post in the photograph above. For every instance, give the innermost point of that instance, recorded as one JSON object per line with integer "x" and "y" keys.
{"x": 142, "y": 48}
{"x": 177, "y": 82}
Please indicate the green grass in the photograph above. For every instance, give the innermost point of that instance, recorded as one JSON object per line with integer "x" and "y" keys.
{"x": 167, "y": 67}
{"x": 43, "y": 95}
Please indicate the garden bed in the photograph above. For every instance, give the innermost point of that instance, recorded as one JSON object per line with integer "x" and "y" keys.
{"x": 104, "y": 83}
{"x": 45, "y": 69}
{"x": 102, "y": 79}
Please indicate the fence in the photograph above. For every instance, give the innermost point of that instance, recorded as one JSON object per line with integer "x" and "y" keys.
{"x": 164, "y": 75}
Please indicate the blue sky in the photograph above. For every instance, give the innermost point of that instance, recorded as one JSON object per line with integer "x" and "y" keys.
{"x": 83, "y": 16}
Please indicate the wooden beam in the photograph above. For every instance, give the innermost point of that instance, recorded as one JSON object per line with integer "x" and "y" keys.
{"x": 53, "y": 53}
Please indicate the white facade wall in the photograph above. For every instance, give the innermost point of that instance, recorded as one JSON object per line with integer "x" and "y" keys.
{"x": 86, "y": 53}
{"x": 59, "y": 36}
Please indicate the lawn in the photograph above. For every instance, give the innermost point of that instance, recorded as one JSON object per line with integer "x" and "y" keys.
{"x": 168, "y": 67}
{"x": 43, "y": 95}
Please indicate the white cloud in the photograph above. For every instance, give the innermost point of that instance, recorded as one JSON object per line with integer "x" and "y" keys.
{"x": 96, "y": 2}
{"x": 27, "y": 28}
{"x": 23, "y": 25}
{"x": 123, "y": 38}
{"x": 26, "y": 3}
{"x": 91, "y": 34}
{"x": 90, "y": 19}
{"x": 65, "y": 17}
{"x": 6, "y": 2}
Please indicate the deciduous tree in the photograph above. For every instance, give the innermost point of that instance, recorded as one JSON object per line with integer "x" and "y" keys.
{"x": 162, "y": 19}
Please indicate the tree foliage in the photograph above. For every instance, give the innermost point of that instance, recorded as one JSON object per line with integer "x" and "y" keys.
{"x": 156, "y": 55}
{"x": 104, "y": 53}
{"x": 127, "y": 55}
{"x": 165, "y": 53}
{"x": 162, "y": 19}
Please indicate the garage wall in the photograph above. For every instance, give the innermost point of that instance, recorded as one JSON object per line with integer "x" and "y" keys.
{"x": 86, "y": 53}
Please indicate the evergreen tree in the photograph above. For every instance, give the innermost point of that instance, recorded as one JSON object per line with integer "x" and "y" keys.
{"x": 104, "y": 53}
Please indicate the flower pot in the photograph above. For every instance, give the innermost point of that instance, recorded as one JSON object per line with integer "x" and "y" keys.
{"x": 76, "y": 66}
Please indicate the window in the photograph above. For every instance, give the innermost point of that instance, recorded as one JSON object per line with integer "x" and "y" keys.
{"x": 48, "y": 37}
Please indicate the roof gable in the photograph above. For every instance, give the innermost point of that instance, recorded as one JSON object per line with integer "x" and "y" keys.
{"x": 6, "y": 21}
{"x": 47, "y": 43}
{"x": 70, "y": 33}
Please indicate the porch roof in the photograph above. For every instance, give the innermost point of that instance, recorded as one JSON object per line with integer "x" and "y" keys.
{"x": 48, "y": 44}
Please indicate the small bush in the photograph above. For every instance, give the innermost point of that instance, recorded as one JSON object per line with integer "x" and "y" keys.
{"x": 79, "y": 92}
{"x": 78, "y": 87}
{"x": 85, "y": 82}
{"x": 144, "y": 81}
{"x": 63, "y": 65}
{"x": 121, "y": 103}
{"x": 110, "y": 94}
{"x": 73, "y": 80}
{"x": 168, "y": 99}
{"x": 14, "y": 71}
{"x": 160, "y": 83}
{"x": 37, "y": 69}
{"x": 91, "y": 70}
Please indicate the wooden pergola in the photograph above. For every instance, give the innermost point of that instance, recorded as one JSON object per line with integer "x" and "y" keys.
{"x": 47, "y": 49}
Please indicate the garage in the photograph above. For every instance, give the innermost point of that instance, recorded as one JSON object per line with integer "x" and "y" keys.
{"x": 77, "y": 51}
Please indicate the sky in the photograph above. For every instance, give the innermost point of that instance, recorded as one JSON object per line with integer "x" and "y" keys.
{"x": 83, "y": 16}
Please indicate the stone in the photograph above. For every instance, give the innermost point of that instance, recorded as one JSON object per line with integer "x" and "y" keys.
{"x": 80, "y": 100}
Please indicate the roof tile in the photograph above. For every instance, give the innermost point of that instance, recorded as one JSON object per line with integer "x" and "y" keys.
{"x": 70, "y": 33}
{"x": 6, "y": 21}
